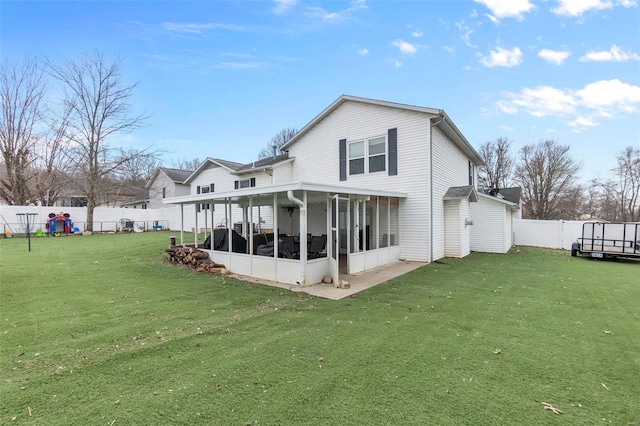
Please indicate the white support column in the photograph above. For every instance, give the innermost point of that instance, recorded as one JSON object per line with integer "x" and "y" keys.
{"x": 229, "y": 233}
{"x": 356, "y": 226}
{"x": 365, "y": 237}
{"x": 275, "y": 229}
{"x": 303, "y": 240}
{"x": 195, "y": 234}
{"x": 389, "y": 221}
{"x": 181, "y": 224}
{"x": 251, "y": 222}
{"x": 377, "y": 223}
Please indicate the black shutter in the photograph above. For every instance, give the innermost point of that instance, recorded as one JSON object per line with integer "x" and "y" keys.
{"x": 235, "y": 185}
{"x": 343, "y": 159}
{"x": 212, "y": 188}
{"x": 198, "y": 189}
{"x": 392, "y": 135}
{"x": 253, "y": 182}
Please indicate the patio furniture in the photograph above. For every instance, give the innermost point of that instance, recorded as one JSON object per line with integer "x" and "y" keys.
{"x": 316, "y": 246}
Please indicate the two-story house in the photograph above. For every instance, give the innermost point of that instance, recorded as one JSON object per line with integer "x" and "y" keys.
{"x": 379, "y": 181}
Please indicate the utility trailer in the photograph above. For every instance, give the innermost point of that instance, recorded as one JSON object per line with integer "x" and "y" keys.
{"x": 608, "y": 240}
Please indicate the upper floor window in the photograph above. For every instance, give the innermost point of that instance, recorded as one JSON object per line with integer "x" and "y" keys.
{"x": 246, "y": 183}
{"x": 368, "y": 156}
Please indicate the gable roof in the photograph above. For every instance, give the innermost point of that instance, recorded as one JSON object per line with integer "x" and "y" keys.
{"x": 442, "y": 122}
{"x": 176, "y": 175}
{"x": 231, "y": 166}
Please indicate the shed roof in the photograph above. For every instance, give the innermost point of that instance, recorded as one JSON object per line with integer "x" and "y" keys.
{"x": 461, "y": 193}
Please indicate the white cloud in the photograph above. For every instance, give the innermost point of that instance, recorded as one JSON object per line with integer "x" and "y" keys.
{"x": 283, "y": 6}
{"x": 556, "y": 57}
{"x": 615, "y": 54}
{"x": 465, "y": 33}
{"x": 581, "y": 123}
{"x": 405, "y": 47}
{"x": 450, "y": 49}
{"x": 199, "y": 28}
{"x": 317, "y": 12}
{"x": 578, "y": 7}
{"x": 363, "y": 52}
{"x": 395, "y": 62}
{"x": 502, "y": 58}
{"x": 609, "y": 96}
{"x": 417, "y": 33}
{"x": 492, "y": 18}
{"x": 601, "y": 99}
{"x": 539, "y": 102}
{"x": 508, "y": 8}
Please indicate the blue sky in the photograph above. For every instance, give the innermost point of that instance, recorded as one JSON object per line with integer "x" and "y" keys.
{"x": 220, "y": 78}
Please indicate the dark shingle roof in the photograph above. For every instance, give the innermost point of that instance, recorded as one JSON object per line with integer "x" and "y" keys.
{"x": 176, "y": 175}
{"x": 460, "y": 193}
{"x": 510, "y": 194}
{"x": 265, "y": 162}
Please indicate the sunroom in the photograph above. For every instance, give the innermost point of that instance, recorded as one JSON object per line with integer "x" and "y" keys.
{"x": 318, "y": 231}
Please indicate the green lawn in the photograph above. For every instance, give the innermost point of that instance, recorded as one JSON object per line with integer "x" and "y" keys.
{"x": 101, "y": 331}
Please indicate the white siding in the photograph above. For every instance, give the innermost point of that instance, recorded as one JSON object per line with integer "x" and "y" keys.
{"x": 457, "y": 235}
{"x": 282, "y": 173}
{"x": 452, "y": 228}
{"x": 465, "y": 231}
{"x": 317, "y": 160}
{"x": 172, "y": 190}
{"x": 450, "y": 168}
{"x": 491, "y": 226}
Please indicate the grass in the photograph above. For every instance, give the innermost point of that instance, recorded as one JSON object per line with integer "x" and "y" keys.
{"x": 101, "y": 331}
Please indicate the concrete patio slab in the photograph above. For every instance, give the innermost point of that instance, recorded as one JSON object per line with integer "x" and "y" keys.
{"x": 358, "y": 282}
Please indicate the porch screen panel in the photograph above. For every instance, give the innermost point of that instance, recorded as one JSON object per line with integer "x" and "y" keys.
{"x": 384, "y": 221}
{"x": 394, "y": 220}
{"x": 372, "y": 222}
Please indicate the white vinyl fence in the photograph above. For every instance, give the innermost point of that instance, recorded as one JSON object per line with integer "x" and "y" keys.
{"x": 105, "y": 219}
{"x": 558, "y": 234}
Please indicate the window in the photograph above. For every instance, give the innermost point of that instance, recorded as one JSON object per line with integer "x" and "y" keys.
{"x": 246, "y": 183}
{"x": 368, "y": 156}
{"x": 471, "y": 167}
{"x": 205, "y": 190}
{"x": 377, "y": 155}
{"x": 356, "y": 158}
{"x": 164, "y": 192}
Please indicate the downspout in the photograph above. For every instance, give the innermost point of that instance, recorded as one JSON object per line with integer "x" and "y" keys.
{"x": 431, "y": 185}
{"x": 302, "y": 204}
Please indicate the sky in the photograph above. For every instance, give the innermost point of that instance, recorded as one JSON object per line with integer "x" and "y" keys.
{"x": 220, "y": 78}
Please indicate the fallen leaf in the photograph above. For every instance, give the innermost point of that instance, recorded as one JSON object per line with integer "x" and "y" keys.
{"x": 604, "y": 386}
{"x": 218, "y": 387}
{"x": 29, "y": 410}
{"x": 497, "y": 352}
{"x": 551, "y": 408}
{"x": 607, "y": 331}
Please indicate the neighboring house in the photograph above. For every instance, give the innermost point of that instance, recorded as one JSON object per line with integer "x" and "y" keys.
{"x": 380, "y": 181}
{"x": 136, "y": 204}
{"x": 166, "y": 183}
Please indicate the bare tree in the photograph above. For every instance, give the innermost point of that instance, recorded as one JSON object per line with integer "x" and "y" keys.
{"x": 21, "y": 95}
{"x": 547, "y": 174}
{"x": 184, "y": 164}
{"x": 497, "y": 171}
{"x": 274, "y": 147}
{"x": 619, "y": 195}
{"x": 100, "y": 105}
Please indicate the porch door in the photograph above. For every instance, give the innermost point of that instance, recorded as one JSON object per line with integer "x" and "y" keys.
{"x": 339, "y": 225}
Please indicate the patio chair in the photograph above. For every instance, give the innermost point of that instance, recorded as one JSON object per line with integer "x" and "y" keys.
{"x": 316, "y": 246}
{"x": 287, "y": 247}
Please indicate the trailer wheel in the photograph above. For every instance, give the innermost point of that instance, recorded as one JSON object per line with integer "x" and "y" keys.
{"x": 574, "y": 252}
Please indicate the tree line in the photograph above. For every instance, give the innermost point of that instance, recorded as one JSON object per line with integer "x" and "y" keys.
{"x": 550, "y": 181}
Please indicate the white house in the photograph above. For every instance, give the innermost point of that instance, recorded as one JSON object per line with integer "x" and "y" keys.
{"x": 378, "y": 181}
{"x": 166, "y": 183}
